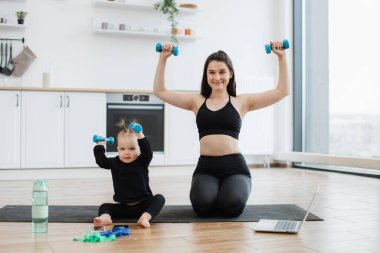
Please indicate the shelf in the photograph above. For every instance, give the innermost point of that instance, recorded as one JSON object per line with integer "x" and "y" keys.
{"x": 12, "y": 27}
{"x": 134, "y": 5}
{"x": 146, "y": 34}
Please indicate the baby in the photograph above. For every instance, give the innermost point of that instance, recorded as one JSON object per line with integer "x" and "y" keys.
{"x": 130, "y": 180}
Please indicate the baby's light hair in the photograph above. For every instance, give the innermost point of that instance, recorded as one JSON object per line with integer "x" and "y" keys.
{"x": 135, "y": 121}
{"x": 124, "y": 129}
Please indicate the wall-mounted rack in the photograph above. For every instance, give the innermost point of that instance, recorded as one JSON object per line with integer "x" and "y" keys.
{"x": 8, "y": 39}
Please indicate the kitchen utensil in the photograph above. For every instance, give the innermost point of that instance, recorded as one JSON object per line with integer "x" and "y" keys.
{"x": 1, "y": 56}
{"x": 6, "y": 71}
{"x": 11, "y": 65}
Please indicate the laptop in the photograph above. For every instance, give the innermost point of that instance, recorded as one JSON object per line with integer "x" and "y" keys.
{"x": 283, "y": 226}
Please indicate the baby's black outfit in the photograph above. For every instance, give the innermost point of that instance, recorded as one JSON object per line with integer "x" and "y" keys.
{"x": 130, "y": 183}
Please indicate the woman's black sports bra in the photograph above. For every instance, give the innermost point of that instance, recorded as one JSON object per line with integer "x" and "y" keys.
{"x": 223, "y": 121}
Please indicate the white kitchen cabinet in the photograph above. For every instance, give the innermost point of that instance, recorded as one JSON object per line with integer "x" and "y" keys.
{"x": 57, "y": 128}
{"x": 181, "y": 141}
{"x": 42, "y": 128}
{"x": 10, "y": 129}
{"x": 85, "y": 115}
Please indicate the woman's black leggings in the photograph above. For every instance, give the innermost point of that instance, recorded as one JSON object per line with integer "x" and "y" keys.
{"x": 152, "y": 205}
{"x": 229, "y": 195}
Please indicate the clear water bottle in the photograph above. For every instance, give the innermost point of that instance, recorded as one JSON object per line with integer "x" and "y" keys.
{"x": 40, "y": 208}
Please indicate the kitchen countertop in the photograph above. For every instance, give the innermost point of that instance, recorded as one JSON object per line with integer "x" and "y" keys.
{"x": 36, "y": 88}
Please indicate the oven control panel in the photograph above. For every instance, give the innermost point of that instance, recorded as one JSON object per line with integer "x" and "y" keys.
{"x": 128, "y": 97}
{"x": 133, "y": 98}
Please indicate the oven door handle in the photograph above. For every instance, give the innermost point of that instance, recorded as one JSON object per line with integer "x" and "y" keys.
{"x": 136, "y": 107}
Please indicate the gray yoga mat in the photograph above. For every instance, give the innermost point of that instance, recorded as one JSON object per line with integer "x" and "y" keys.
{"x": 168, "y": 214}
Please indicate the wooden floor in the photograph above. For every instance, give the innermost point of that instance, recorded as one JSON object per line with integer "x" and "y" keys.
{"x": 349, "y": 204}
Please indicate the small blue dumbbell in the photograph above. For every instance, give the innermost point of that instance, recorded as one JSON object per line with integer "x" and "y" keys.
{"x": 159, "y": 49}
{"x": 285, "y": 45}
{"x": 137, "y": 128}
{"x": 119, "y": 231}
{"x": 97, "y": 138}
{"x": 106, "y": 233}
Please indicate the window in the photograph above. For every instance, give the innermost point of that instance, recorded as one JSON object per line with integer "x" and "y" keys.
{"x": 336, "y": 74}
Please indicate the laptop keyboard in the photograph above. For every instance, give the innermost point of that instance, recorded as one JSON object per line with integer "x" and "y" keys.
{"x": 285, "y": 225}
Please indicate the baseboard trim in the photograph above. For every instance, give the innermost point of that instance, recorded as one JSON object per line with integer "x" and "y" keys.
{"x": 347, "y": 161}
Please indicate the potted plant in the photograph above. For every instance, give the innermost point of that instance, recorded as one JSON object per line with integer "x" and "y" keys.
{"x": 21, "y": 17}
{"x": 169, "y": 8}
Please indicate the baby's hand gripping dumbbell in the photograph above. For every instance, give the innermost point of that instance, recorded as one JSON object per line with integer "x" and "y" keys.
{"x": 159, "y": 49}
{"x": 137, "y": 128}
{"x": 268, "y": 47}
{"x": 97, "y": 138}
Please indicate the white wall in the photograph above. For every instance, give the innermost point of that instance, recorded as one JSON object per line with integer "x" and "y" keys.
{"x": 60, "y": 33}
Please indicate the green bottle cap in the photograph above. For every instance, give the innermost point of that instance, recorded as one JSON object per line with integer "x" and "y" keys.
{"x": 40, "y": 185}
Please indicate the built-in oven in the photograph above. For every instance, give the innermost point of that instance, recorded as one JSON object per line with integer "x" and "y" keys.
{"x": 146, "y": 109}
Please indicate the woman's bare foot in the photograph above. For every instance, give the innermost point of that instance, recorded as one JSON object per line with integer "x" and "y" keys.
{"x": 102, "y": 220}
{"x": 144, "y": 220}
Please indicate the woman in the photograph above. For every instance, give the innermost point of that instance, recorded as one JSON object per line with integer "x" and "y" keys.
{"x": 221, "y": 181}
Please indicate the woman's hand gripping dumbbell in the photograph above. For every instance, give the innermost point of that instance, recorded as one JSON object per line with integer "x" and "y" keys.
{"x": 97, "y": 138}
{"x": 268, "y": 47}
{"x": 159, "y": 48}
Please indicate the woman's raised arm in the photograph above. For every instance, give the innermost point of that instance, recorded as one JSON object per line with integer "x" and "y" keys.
{"x": 260, "y": 100}
{"x": 182, "y": 100}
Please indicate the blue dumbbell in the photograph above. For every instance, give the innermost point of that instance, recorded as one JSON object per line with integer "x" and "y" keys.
{"x": 97, "y": 138}
{"x": 120, "y": 230}
{"x": 137, "y": 128}
{"x": 159, "y": 49}
{"x": 285, "y": 45}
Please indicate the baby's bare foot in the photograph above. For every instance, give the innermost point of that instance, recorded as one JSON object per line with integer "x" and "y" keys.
{"x": 144, "y": 220}
{"x": 102, "y": 220}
